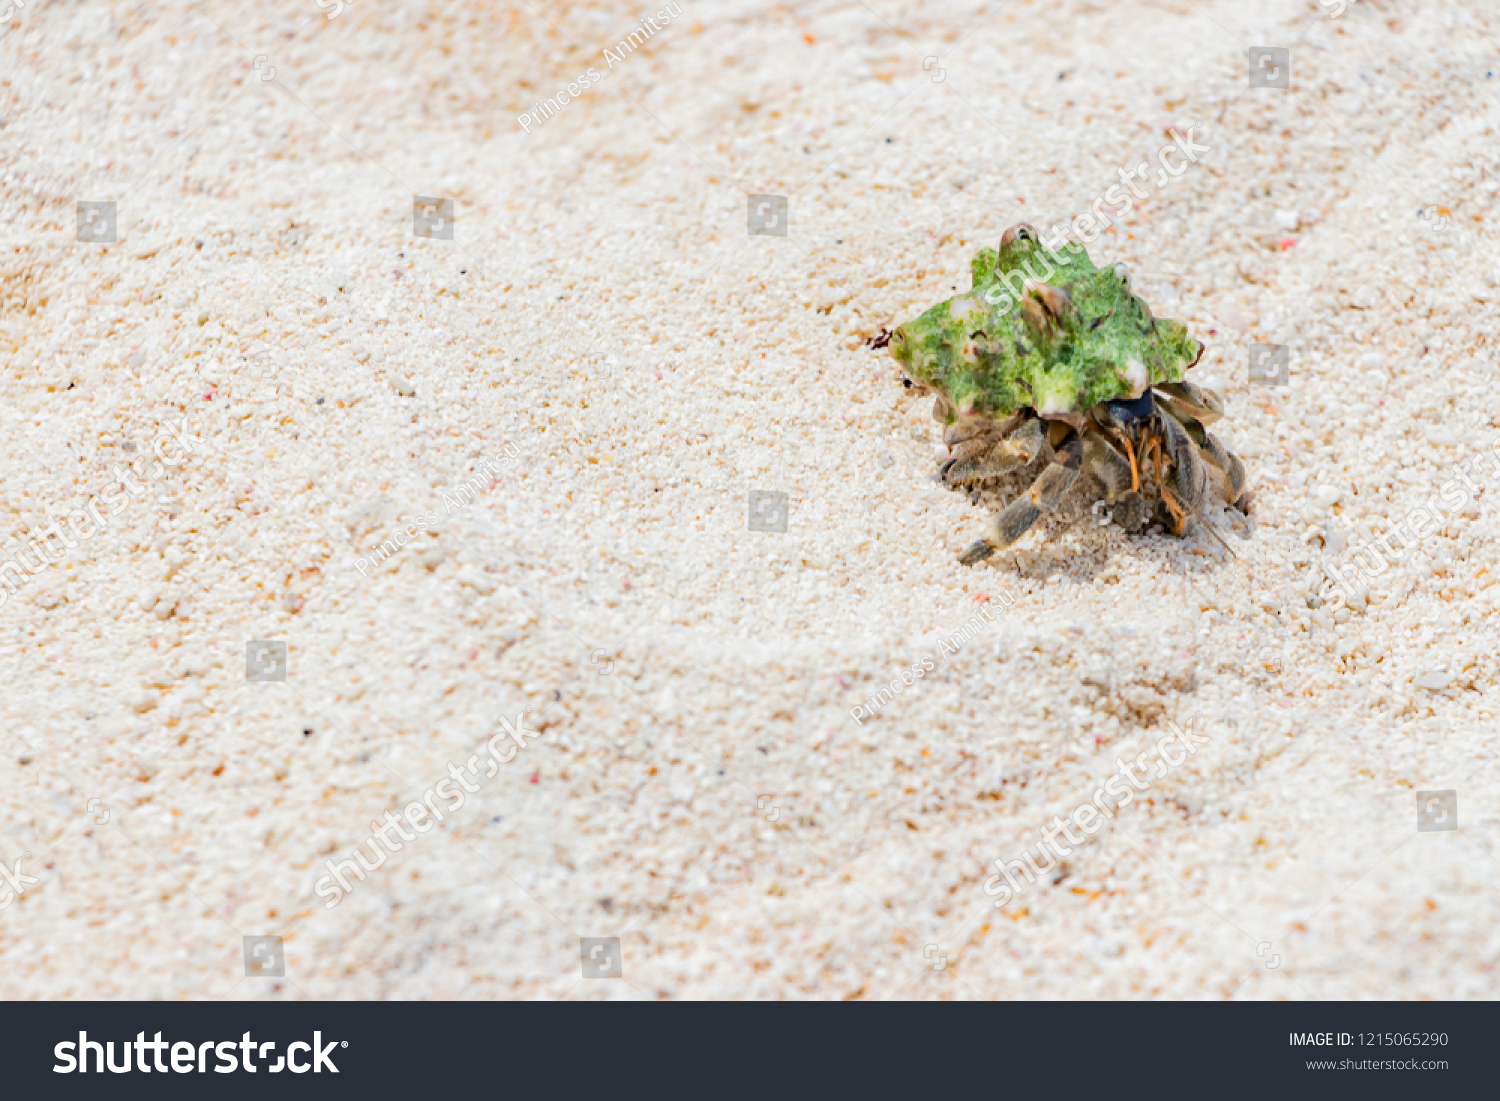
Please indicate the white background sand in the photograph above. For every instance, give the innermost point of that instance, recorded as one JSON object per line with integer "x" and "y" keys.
{"x": 709, "y": 800}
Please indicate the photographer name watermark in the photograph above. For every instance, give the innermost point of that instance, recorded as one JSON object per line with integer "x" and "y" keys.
{"x": 544, "y": 110}
{"x": 927, "y": 663}
{"x": 463, "y": 494}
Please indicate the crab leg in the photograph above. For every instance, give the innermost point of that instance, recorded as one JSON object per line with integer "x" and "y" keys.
{"x": 1135, "y": 471}
{"x": 1015, "y": 520}
{"x": 1179, "y": 517}
{"x": 966, "y": 451}
{"x": 1104, "y": 463}
{"x": 995, "y": 457}
{"x": 1225, "y": 468}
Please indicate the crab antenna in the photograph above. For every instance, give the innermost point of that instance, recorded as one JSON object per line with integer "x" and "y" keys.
{"x": 1209, "y": 528}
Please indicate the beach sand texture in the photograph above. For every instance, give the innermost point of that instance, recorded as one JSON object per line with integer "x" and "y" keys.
{"x": 552, "y": 413}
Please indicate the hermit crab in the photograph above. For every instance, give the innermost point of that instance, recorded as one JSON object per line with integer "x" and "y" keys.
{"x": 1048, "y": 357}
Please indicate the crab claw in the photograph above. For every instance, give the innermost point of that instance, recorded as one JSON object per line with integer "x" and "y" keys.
{"x": 1200, "y": 404}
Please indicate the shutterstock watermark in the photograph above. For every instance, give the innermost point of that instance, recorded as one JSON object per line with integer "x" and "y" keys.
{"x": 422, "y": 815}
{"x": 1337, "y": 7}
{"x": 188, "y": 1057}
{"x": 17, "y": 879}
{"x": 1125, "y": 786}
{"x": 1108, "y": 209}
{"x": 1352, "y": 573}
{"x": 84, "y": 521}
{"x": 1122, "y": 197}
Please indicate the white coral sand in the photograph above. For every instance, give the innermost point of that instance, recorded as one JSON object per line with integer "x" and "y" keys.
{"x": 700, "y": 788}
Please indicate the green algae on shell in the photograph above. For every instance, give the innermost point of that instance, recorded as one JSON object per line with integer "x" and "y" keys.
{"x": 1044, "y": 330}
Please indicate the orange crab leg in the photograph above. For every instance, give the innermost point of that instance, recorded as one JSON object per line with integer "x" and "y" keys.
{"x": 1177, "y": 513}
{"x": 1122, "y": 441}
{"x": 1135, "y": 473}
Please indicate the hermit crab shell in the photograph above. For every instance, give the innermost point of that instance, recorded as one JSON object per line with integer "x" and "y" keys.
{"x": 1042, "y": 329}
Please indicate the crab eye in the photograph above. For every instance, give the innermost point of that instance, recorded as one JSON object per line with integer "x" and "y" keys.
{"x": 1122, "y": 273}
